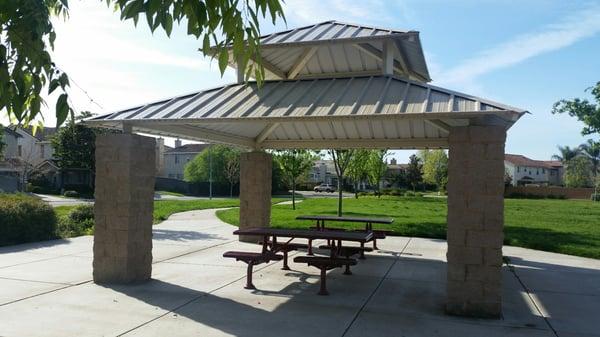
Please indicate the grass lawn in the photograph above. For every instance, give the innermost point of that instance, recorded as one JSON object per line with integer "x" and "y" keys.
{"x": 562, "y": 226}
{"x": 164, "y": 208}
{"x": 175, "y": 194}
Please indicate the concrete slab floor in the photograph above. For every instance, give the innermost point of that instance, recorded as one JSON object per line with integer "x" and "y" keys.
{"x": 46, "y": 290}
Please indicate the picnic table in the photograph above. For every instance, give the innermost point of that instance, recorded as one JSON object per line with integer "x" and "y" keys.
{"x": 320, "y": 225}
{"x": 271, "y": 248}
{"x": 331, "y": 235}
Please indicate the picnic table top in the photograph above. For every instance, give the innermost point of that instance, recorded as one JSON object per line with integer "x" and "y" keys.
{"x": 307, "y": 234}
{"x": 345, "y": 219}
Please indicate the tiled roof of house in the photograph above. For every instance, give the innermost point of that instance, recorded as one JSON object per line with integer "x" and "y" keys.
{"x": 520, "y": 160}
{"x": 188, "y": 148}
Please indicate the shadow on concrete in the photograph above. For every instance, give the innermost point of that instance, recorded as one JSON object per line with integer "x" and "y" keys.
{"x": 24, "y": 247}
{"x": 175, "y": 235}
{"x": 415, "y": 293}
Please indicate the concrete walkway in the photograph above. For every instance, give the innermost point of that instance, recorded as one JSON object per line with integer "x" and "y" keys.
{"x": 45, "y": 290}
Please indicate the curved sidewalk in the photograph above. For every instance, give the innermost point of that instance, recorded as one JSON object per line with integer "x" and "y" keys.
{"x": 46, "y": 290}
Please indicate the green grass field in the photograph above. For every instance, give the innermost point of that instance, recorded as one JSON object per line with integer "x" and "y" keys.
{"x": 562, "y": 226}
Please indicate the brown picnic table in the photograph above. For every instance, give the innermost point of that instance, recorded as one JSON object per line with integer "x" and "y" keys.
{"x": 320, "y": 225}
{"x": 272, "y": 247}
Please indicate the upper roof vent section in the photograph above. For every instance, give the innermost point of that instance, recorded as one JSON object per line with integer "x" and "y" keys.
{"x": 336, "y": 49}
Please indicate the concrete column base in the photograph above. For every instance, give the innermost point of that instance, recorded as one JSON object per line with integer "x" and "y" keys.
{"x": 475, "y": 221}
{"x": 125, "y": 166}
{"x": 255, "y": 192}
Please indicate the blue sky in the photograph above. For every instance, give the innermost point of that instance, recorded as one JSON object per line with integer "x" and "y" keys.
{"x": 527, "y": 54}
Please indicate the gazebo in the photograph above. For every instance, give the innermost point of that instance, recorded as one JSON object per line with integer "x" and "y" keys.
{"x": 329, "y": 85}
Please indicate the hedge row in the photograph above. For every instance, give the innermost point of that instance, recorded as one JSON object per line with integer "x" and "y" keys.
{"x": 25, "y": 218}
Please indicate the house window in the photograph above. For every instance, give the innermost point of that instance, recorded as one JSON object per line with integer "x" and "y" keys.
{"x": 518, "y": 169}
{"x": 537, "y": 172}
{"x": 42, "y": 148}
{"x": 176, "y": 159}
{"x": 544, "y": 171}
{"x": 20, "y": 150}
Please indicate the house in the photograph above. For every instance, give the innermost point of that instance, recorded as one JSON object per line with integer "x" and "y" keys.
{"x": 523, "y": 170}
{"x": 323, "y": 171}
{"x": 9, "y": 163}
{"x": 176, "y": 158}
{"x": 393, "y": 171}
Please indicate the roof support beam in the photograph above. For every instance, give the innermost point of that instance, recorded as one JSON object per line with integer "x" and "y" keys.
{"x": 413, "y": 143}
{"x": 266, "y": 132}
{"x": 378, "y": 54}
{"x": 438, "y": 124}
{"x": 270, "y": 67}
{"x": 301, "y": 62}
{"x": 195, "y": 133}
{"x": 388, "y": 58}
{"x": 240, "y": 71}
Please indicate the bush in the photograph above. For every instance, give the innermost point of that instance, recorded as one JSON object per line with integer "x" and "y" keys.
{"x": 81, "y": 190}
{"x": 80, "y": 221}
{"x": 413, "y": 194}
{"x": 25, "y": 219}
{"x": 71, "y": 194}
{"x": 596, "y": 197}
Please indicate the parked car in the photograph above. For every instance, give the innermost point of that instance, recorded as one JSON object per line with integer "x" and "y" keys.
{"x": 325, "y": 188}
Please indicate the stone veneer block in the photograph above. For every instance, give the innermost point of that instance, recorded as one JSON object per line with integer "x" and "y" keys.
{"x": 475, "y": 220}
{"x": 123, "y": 208}
{"x": 255, "y": 192}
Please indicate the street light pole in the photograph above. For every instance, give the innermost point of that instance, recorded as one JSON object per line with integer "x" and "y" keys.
{"x": 209, "y": 172}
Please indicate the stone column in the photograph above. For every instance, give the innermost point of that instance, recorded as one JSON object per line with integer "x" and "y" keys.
{"x": 475, "y": 220}
{"x": 125, "y": 173}
{"x": 255, "y": 192}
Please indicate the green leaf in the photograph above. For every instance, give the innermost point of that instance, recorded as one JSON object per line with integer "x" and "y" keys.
{"x": 223, "y": 59}
{"x": 168, "y": 24}
{"x": 62, "y": 109}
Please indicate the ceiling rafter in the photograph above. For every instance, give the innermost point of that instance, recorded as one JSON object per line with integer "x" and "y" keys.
{"x": 301, "y": 61}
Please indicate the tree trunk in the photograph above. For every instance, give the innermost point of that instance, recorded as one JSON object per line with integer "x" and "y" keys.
{"x": 355, "y": 190}
{"x": 230, "y": 189}
{"x": 339, "y": 196}
{"x": 294, "y": 194}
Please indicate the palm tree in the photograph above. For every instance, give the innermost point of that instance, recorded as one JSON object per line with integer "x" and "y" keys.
{"x": 566, "y": 154}
{"x": 592, "y": 150}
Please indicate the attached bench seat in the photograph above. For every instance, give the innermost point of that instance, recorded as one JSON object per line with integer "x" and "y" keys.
{"x": 348, "y": 251}
{"x": 251, "y": 259}
{"x": 324, "y": 264}
{"x": 285, "y": 248}
{"x": 377, "y": 234}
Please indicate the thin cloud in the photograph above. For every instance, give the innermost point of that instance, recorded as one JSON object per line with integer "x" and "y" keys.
{"x": 573, "y": 28}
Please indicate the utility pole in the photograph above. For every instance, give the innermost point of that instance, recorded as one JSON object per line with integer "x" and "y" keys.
{"x": 209, "y": 172}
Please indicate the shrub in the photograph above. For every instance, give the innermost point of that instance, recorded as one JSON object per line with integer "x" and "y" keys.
{"x": 71, "y": 194}
{"x": 596, "y": 196}
{"x": 413, "y": 194}
{"x": 25, "y": 219}
{"x": 80, "y": 221}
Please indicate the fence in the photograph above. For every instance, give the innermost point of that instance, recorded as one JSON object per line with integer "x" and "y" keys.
{"x": 549, "y": 191}
{"x": 198, "y": 189}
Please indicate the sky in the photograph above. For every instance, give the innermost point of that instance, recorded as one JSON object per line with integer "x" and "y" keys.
{"x": 527, "y": 54}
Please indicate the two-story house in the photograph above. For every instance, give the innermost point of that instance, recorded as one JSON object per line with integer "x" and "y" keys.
{"x": 523, "y": 170}
{"x": 175, "y": 159}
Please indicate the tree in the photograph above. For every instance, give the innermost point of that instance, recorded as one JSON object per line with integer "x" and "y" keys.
{"x": 74, "y": 146}
{"x": 232, "y": 169}
{"x": 198, "y": 169}
{"x": 294, "y": 164}
{"x": 566, "y": 154}
{"x": 578, "y": 172}
{"x": 377, "y": 167}
{"x": 341, "y": 160}
{"x": 591, "y": 150}
{"x": 2, "y": 143}
{"x": 435, "y": 168}
{"x": 414, "y": 174}
{"x": 583, "y": 110}
{"x": 358, "y": 169}
{"x": 27, "y": 39}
